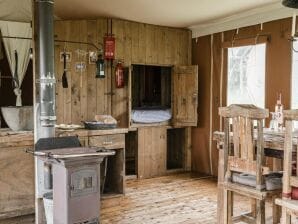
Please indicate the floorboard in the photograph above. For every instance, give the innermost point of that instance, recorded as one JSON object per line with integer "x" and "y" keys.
{"x": 182, "y": 198}
{"x": 175, "y": 199}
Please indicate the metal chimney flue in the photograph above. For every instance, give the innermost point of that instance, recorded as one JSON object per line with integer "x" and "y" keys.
{"x": 45, "y": 62}
{"x": 44, "y": 95}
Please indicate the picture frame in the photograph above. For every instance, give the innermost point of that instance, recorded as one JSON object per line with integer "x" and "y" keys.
{"x": 80, "y": 66}
{"x": 92, "y": 57}
{"x": 68, "y": 56}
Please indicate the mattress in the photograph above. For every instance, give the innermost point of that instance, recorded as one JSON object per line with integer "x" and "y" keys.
{"x": 149, "y": 116}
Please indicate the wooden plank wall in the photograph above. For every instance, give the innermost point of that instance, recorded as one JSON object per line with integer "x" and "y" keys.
{"x": 16, "y": 179}
{"x": 136, "y": 43}
{"x": 278, "y": 80}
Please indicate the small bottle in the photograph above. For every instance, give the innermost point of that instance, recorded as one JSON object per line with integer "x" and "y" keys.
{"x": 279, "y": 112}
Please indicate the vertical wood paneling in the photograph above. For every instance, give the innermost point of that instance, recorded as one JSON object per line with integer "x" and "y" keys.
{"x": 119, "y": 99}
{"x": 103, "y": 86}
{"x": 60, "y": 31}
{"x": 75, "y": 30}
{"x": 83, "y": 75}
{"x": 92, "y": 36}
{"x": 135, "y": 43}
{"x": 127, "y": 43}
{"x": 142, "y": 43}
{"x": 160, "y": 47}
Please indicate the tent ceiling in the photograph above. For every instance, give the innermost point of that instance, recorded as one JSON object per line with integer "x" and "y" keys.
{"x": 174, "y": 13}
{"x": 199, "y": 15}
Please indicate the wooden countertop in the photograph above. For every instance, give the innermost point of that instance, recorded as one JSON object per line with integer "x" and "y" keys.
{"x": 85, "y": 132}
{"x": 7, "y": 136}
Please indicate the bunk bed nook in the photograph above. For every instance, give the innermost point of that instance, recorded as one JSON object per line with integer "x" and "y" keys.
{"x": 150, "y": 94}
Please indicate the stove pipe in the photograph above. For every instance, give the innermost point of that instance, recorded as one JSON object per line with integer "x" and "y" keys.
{"x": 44, "y": 98}
{"x": 45, "y": 68}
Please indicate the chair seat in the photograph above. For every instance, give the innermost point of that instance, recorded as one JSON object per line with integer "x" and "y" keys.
{"x": 250, "y": 192}
{"x": 288, "y": 203}
{"x": 273, "y": 181}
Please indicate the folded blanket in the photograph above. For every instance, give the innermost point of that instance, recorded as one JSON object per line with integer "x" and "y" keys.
{"x": 151, "y": 116}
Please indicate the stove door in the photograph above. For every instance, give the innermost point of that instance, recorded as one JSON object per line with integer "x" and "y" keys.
{"x": 83, "y": 182}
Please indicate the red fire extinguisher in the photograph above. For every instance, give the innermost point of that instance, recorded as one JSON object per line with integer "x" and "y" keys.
{"x": 119, "y": 74}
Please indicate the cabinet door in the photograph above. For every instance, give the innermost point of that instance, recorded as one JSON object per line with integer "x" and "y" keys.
{"x": 185, "y": 95}
{"x": 152, "y": 151}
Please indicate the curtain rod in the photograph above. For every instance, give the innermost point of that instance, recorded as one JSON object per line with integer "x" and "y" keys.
{"x": 61, "y": 41}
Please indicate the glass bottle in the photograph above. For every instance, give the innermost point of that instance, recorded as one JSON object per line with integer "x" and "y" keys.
{"x": 279, "y": 112}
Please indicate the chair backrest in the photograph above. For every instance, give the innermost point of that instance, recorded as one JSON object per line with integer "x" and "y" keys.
{"x": 247, "y": 153}
{"x": 289, "y": 179}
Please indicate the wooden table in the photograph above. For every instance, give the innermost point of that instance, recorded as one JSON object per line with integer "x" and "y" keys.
{"x": 273, "y": 145}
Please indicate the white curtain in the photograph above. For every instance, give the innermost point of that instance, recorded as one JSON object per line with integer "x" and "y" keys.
{"x": 19, "y": 46}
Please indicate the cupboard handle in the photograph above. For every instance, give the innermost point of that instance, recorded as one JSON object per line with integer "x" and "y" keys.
{"x": 108, "y": 143}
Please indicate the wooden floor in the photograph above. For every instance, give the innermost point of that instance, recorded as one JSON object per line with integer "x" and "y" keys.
{"x": 181, "y": 198}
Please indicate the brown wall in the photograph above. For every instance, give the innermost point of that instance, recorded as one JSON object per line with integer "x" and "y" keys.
{"x": 278, "y": 80}
{"x": 135, "y": 43}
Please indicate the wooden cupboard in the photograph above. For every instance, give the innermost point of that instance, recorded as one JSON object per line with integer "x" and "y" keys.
{"x": 177, "y": 87}
{"x": 152, "y": 153}
{"x": 155, "y": 151}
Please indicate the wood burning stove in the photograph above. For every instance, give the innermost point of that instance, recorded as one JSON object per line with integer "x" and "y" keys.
{"x": 75, "y": 172}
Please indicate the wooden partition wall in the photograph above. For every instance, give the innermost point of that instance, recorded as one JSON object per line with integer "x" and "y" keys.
{"x": 208, "y": 53}
{"x": 136, "y": 43}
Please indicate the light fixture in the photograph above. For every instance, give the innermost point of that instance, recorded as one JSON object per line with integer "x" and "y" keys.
{"x": 100, "y": 66}
{"x": 290, "y": 3}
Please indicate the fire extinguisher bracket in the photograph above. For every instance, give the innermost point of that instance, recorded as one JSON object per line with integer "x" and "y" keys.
{"x": 109, "y": 47}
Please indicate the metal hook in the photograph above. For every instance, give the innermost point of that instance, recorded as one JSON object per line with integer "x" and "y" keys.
{"x": 258, "y": 34}
{"x": 234, "y": 35}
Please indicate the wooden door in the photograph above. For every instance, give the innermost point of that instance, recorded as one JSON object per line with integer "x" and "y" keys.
{"x": 185, "y": 95}
{"x": 152, "y": 151}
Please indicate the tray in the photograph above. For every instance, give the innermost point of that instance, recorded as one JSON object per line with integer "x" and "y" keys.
{"x": 95, "y": 125}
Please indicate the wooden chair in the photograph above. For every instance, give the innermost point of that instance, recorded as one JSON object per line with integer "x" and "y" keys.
{"x": 245, "y": 157}
{"x": 289, "y": 206}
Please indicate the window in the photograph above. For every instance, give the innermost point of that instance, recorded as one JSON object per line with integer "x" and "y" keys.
{"x": 246, "y": 75}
